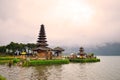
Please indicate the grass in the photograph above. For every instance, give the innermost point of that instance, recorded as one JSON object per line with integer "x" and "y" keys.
{"x": 12, "y": 60}
{"x": 85, "y": 60}
{"x": 2, "y": 78}
{"x": 4, "y": 61}
{"x": 46, "y": 62}
{"x": 6, "y": 58}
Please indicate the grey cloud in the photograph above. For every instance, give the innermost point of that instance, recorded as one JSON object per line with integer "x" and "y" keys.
{"x": 20, "y": 22}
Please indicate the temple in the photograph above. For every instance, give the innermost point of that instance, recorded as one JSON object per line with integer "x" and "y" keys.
{"x": 58, "y": 51}
{"x": 43, "y": 51}
{"x": 81, "y": 53}
{"x": 42, "y": 42}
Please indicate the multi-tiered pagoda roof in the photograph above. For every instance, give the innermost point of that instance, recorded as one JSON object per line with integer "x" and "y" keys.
{"x": 42, "y": 42}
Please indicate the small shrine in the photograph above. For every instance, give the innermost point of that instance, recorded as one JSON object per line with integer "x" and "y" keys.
{"x": 81, "y": 53}
{"x": 58, "y": 51}
{"x": 43, "y": 51}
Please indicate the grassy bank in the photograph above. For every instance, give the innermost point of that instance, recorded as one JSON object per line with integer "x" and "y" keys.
{"x": 85, "y": 60}
{"x": 45, "y": 62}
{"x": 23, "y": 62}
{"x": 4, "y": 60}
{"x": 11, "y": 60}
{"x": 2, "y": 78}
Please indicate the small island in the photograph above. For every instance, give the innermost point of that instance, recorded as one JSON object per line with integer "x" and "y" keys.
{"x": 83, "y": 57}
{"x": 41, "y": 54}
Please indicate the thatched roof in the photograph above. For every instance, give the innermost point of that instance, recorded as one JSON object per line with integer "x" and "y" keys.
{"x": 58, "y": 49}
{"x": 43, "y": 48}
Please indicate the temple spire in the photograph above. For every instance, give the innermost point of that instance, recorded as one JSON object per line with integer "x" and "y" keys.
{"x": 42, "y": 31}
{"x": 42, "y": 42}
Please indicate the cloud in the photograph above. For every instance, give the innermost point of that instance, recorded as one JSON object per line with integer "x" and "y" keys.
{"x": 64, "y": 21}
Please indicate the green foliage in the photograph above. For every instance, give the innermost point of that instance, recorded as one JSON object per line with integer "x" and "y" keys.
{"x": 46, "y": 62}
{"x": 15, "y": 46}
{"x": 15, "y": 60}
{"x": 2, "y": 78}
{"x": 31, "y": 45}
{"x": 2, "y": 49}
{"x": 25, "y": 64}
{"x": 85, "y": 60}
{"x": 6, "y": 58}
{"x": 4, "y": 61}
{"x": 12, "y": 46}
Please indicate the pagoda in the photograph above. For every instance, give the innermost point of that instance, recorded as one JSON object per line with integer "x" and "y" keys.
{"x": 43, "y": 51}
{"x": 81, "y": 52}
{"x": 42, "y": 42}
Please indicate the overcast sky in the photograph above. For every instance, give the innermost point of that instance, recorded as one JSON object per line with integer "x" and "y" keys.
{"x": 67, "y": 22}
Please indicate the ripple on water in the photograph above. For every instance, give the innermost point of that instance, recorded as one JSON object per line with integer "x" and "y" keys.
{"x": 107, "y": 69}
{"x": 16, "y": 73}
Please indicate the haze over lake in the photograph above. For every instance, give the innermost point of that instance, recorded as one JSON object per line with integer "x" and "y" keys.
{"x": 107, "y": 69}
{"x": 86, "y": 23}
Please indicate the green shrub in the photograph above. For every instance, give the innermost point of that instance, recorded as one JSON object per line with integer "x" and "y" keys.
{"x": 15, "y": 60}
{"x": 2, "y": 78}
{"x": 46, "y": 62}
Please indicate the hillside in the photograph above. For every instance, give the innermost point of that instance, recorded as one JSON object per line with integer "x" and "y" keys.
{"x": 108, "y": 49}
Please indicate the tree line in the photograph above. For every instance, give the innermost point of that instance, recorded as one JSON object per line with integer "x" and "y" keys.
{"x": 11, "y": 48}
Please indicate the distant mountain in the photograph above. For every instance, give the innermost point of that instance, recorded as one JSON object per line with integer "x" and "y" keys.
{"x": 107, "y": 49}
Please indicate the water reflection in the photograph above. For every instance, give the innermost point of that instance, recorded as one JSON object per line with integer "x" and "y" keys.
{"x": 74, "y": 71}
{"x": 48, "y": 72}
{"x": 15, "y": 72}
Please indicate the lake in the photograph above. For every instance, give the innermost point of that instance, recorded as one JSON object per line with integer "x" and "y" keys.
{"x": 107, "y": 69}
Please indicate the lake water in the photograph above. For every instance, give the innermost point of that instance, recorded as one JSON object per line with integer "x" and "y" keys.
{"x": 107, "y": 69}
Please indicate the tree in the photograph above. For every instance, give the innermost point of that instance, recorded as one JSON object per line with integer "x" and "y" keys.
{"x": 2, "y": 49}
{"x": 16, "y": 46}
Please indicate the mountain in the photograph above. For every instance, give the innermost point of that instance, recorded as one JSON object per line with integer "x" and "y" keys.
{"x": 107, "y": 49}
